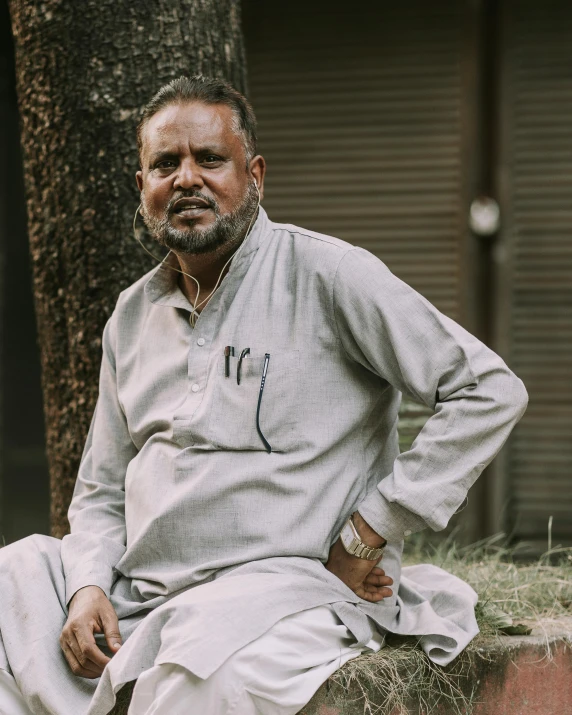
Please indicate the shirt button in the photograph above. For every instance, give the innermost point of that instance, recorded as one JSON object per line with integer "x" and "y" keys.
{"x": 407, "y": 532}
{"x": 201, "y": 342}
{"x": 195, "y": 388}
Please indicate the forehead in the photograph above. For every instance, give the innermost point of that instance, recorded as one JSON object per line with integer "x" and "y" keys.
{"x": 193, "y": 124}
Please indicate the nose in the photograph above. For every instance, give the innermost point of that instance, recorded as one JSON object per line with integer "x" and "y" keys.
{"x": 188, "y": 176}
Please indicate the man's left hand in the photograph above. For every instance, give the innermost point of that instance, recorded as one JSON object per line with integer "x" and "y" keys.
{"x": 363, "y": 577}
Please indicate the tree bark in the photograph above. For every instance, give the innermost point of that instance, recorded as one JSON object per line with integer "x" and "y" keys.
{"x": 84, "y": 72}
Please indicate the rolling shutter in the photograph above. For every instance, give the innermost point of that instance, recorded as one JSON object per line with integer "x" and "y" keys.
{"x": 359, "y": 111}
{"x": 538, "y": 132}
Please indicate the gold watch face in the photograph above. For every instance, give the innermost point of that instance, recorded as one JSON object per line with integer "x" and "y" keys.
{"x": 347, "y": 536}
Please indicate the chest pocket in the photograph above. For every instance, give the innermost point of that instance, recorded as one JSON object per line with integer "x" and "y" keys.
{"x": 233, "y": 416}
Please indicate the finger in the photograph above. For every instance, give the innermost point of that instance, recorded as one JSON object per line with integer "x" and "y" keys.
{"x": 88, "y": 650}
{"x": 378, "y": 571}
{"x": 378, "y": 580}
{"x": 374, "y": 588}
{"x": 382, "y": 591}
{"x": 83, "y": 659}
{"x": 373, "y": 597}
{"x": 71, "y": 643}
{"x": 94, "y": 656}
{"x": 75, "y": 665}
{"x": 111, "y": 629}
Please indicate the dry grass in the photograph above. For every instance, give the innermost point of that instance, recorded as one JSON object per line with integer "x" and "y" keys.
{"x": 400, "y": 673}
{"x": 538, "y": 594}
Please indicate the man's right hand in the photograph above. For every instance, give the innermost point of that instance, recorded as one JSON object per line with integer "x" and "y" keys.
{"x": 90, "y": 611}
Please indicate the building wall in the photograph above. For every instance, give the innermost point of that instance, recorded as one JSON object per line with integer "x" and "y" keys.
{"x": 534, "y": 321}
{"x": 380, "y": 124}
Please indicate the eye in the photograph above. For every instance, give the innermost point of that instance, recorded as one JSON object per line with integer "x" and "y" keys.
{"x": 211, "y": 159}
{"x": 165, "y": 164}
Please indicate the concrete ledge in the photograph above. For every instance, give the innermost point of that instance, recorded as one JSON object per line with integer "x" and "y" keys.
{"x": 505, "y": 675}
{"x": 508, "y": 675}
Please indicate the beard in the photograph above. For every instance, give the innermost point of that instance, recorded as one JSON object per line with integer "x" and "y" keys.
{"x": 227, "y": 229}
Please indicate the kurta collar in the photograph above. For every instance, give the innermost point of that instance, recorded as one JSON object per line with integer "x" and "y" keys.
{"x": 162, "y": 288}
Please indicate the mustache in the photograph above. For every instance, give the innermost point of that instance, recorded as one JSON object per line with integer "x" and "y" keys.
{"x": 192, "y": 194}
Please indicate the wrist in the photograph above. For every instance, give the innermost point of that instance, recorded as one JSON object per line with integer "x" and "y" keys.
{"x": 366, "y": 533}
{"x": 87, "y": 592}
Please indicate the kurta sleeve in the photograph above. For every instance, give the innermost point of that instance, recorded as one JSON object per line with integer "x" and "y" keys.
{"x": 393, "y": 331}
{"x": 97, "y": 511}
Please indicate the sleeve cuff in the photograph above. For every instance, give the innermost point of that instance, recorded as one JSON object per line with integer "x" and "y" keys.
{"x": 90, "y": 573}
{"x": 390, "y": 520}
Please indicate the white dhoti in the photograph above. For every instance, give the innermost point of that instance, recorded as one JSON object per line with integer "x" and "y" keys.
{"x": 247, "y": 629}
{"x": 276, "y": 674}
{"x": 11, "y": 700}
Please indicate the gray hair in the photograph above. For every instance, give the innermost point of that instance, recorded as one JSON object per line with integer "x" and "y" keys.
{"x": 209, "y": 90}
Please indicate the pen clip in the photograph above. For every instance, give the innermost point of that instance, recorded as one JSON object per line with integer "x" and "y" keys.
{"x": 265, "y": 442}
{"x": 243, "y": 354}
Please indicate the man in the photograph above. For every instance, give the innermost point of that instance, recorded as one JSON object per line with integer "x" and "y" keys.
{"x": 242, "y": 476}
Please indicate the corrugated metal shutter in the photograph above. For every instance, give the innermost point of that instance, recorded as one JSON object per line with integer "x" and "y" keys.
{"x": 359, "y": 110}
{"x": 538, "y": 132}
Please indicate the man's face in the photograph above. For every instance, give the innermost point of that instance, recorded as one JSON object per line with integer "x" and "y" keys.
{"x": 197, "y": 191}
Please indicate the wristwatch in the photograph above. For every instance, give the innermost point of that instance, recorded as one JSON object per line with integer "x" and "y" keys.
{"x": 355, "y": 546}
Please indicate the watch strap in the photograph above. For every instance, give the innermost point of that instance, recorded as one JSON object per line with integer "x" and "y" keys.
{"x": 355, "y": 546}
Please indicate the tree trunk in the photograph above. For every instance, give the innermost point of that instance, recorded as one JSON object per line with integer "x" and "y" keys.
{"x": 84, "y": 72}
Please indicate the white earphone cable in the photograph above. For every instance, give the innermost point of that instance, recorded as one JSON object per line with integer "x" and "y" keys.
{"x": 196, "y": 305}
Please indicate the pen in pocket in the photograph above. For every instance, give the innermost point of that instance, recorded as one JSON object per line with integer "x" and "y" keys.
{"x": 265, "y": 442}
{"x": 228, "y": 353}
{"x": 243, "y": 354}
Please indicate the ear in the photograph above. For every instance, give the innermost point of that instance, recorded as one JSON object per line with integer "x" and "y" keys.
{"x": 257, "y": 168}
{"x": 139, "y": 180}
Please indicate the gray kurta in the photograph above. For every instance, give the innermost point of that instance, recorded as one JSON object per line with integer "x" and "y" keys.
{"x": 176, "y": 489}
